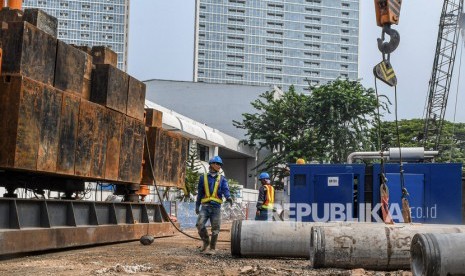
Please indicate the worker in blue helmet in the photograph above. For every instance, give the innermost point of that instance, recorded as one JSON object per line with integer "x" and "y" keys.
{"x": 212, "y": 188}
{"x": 265, "y": 198}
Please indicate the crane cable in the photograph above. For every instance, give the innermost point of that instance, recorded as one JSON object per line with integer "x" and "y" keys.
{"x": 160, "y": 198}
{"x": 455, "y": 107}
{"x": 405, "y": 204}
{"x": 384, "y": 190}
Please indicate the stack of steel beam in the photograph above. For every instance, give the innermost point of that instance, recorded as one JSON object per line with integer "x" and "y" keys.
{"x": 66, "y": 110}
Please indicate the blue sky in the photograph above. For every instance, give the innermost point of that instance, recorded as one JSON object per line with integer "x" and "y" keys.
{"x": 161, "y": 39}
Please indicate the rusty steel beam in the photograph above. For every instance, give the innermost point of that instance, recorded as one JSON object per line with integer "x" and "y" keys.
{"x": 29, "y": 225}
{"x": 33, "y": 240}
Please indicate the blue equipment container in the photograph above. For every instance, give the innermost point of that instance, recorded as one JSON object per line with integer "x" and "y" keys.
{"x": 319, "y": 192}
{"x": 326, "y": 186}
{"x": 435, "y": 190}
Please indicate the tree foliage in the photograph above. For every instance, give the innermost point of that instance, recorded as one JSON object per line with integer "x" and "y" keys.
{"x": 323, "y": 126}
{"x": 192, "y": 176}
{"x": 452, "y": 144}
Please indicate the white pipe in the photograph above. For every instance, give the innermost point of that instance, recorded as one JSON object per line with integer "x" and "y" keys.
{"x": 408, "y": 154}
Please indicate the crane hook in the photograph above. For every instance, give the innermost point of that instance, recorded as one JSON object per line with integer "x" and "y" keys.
{"x": 388, "y": 47}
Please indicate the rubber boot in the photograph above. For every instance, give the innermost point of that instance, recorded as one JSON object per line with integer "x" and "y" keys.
{"x": 212, "y": 250}
{"x": 205, "y": 239}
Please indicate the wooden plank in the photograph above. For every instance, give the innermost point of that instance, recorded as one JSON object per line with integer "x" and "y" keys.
{"x": 153, "y": 118}
{"x": 104, "y": 55}
{"x": 115, "y": 124}
{"x": 100, "y": 142}
{"x": 21, "y": 142}
{"x": 73, "y": 70}
{"x": 68, "y": 129}
{"x": 87, "y": 126}
{"x": 28, "y": 51}
{"x": 49, "y": 125}
{"x": 136, "y": 99}
{"x": 109, "y": 87}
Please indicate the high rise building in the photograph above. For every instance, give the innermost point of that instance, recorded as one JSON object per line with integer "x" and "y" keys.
{"x": 280, "y": 42}
{"x": 90, "y": 22}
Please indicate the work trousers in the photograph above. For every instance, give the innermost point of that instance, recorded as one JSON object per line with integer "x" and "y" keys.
{"x": 212, "y": 213}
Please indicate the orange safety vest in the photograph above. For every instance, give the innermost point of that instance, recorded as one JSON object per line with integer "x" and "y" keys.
{"x": 211, "y": 196}
{"x": 268, "y": 204}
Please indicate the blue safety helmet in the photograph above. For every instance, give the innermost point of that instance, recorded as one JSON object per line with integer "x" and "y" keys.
{"x": 264, "y": 175}
{"x": 216, "y": 159}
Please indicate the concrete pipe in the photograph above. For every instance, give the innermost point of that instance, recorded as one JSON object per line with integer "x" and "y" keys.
{"x": 369, "y": 246}
{"x": 438, "y": 254}
{"x": 285, "y": 239}
{"x": 270, "y": 239}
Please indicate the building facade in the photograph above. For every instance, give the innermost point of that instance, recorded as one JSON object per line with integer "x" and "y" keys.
{"x": 271, "y": 42}
{"x": 90, "y": 23}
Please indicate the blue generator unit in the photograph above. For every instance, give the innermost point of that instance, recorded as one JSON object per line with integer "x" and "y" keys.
{"x": 351, "y": 192}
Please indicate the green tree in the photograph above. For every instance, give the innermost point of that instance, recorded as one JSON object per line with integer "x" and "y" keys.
{"x": 233, "y": 188}
{"x": 343, "y": 113}
{"x": 324, "y": 126}
{"x": 282, "y": 125}
{"x": 192, "y": 176}
{"x": 452, "y": 144}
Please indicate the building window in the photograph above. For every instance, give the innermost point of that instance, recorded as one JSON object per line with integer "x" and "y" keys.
{"x": 203, "y": 152}
{"x": 273, "y": 5}
{"x": 316, "y": 37}
{"x": 232, "y": 19}
{"x": 235, "y": 65}
{"x": 237, "y": 1}
{"x": 237, "y": 11}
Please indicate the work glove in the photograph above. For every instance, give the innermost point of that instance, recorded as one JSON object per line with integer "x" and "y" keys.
{"x": 197, "y": 210}
{"x": 230, "y": 201}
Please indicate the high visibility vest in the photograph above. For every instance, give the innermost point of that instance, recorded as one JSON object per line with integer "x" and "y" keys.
{"x": 268, "y": 204}
{"x": 211, "y": 196}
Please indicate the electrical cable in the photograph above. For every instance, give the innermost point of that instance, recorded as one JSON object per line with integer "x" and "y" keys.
{"x": 160, "y": 198}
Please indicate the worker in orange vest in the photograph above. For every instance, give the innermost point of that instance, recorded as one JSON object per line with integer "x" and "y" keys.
{"x": 211, "y": 189}
{"x": 265, "y": 198}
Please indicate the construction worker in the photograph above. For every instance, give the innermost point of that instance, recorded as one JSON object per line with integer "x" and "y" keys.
{"x": 265, "y": 198}
{"x": 211, "y": 189}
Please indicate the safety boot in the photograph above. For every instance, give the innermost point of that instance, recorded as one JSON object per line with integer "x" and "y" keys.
{"x": 206, "y": 242}
{"x": 213, "y": 241}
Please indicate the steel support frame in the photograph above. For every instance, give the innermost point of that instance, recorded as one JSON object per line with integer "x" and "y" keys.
{"x": 28, "y": 225}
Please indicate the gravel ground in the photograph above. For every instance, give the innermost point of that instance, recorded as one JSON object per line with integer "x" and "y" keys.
{"x": 178, "y": 255}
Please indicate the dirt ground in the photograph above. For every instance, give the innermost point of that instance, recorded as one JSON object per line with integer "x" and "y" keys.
{"x": 177, "y": 255}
